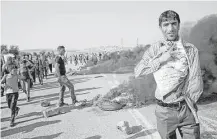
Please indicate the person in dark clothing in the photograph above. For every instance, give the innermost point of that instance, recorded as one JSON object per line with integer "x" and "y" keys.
{"x": 100, "y": 56}
{"x": 50, "y": 61}
{"x": 80, "y": 58}
{"x": 2, "y": 63}
{"x": 31, "y": 67}
{"x": 39, "y": 69}
{"x": 62, "y": 78}
{"x": 26, "y": 77}
{"x": 76, "y": 60}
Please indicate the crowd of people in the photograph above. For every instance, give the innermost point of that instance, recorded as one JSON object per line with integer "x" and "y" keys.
{"x": 21, "y": 73}
{"x": 85, "y": 57}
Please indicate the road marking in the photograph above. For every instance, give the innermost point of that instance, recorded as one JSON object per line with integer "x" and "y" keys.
{"x": 141, "y": 120}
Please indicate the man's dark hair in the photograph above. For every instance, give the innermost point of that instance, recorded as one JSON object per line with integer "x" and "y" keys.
{"x": 60, "y": 47}
{"x": 168, "y": 15}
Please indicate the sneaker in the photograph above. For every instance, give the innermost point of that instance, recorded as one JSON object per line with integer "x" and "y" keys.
{"x": 17, "y": 110}
{"x": 28, "y": 99}
{"x": 63, "y": 104}
{"x": 12, "y": 122}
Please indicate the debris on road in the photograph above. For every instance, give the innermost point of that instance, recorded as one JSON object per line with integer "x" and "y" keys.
{"x": 45, "y": 103}
{"x": 124, "y": 127}
{"x": 107, "y": 105}
{"x": 56, "y": 110}
{"x": 123, "y": 99}
{"x": 96, "y": 100}
{"x": 81, "y": 103}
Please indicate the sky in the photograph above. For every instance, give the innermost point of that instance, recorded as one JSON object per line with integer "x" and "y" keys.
{"x": 81, "y": 25}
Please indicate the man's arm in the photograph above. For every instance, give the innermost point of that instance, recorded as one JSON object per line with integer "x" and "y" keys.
{"x": 149, "y": 63}
{"x": 3, "y": 80}
{"x": 57, "y": 70}
{"x": 3, "y": 70}
{"x": 195, "y": 83}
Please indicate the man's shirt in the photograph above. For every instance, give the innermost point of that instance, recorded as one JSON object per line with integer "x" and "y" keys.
{"x": 192, "y": 86}
{"x": 61, "y": 63}
{"x": 170, "y": 77}
{"x": 11, "y": 83}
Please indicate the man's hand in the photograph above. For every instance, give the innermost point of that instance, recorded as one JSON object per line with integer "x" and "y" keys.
{"x": 166, "y": 56}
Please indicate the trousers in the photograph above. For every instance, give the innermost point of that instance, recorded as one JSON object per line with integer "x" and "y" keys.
{"x": 64, "y": 82}
{"x": 170, "y": 119}
{"x": 12, "y": 102}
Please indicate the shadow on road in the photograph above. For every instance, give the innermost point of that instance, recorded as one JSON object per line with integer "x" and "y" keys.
{"x": 27, "y": 128}
{"x": 70, "y": 108}
{"x": 94, "y": 137}
{"x": 3, "y": 128}
{"x": 54, "y": 84}
{"x": 136, "y": 129}
{"x": 46, "y": 137}
{"x": 52, "y": 97}
{"x": 22, "y": 116}
{"x": 40, "y": 115}
{"x": 143, "y": 133}
{"x": 24, "y": 121}
{"x": 208, "y": 99}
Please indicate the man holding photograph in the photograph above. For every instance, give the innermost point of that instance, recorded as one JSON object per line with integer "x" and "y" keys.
{"x": 176, "y": 69}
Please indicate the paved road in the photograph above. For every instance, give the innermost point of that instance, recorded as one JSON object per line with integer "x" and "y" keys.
{"x": 84, "y": 123}
{"x": 89, "y": 122}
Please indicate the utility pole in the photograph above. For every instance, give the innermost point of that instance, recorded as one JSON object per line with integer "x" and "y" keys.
{"x": 122, "y": 42}
{"x": 137, "y": 42}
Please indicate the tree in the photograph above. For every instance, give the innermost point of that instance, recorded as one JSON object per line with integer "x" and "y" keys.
{"x": 4, "y": 49}
{"x": 14, "y": 49}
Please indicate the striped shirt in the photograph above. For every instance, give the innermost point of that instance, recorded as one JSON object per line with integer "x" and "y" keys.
{"x": 170, "y": 77}
{"x": 193, "y": 85}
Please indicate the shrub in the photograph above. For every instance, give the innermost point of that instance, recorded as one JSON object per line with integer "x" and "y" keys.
{"x": 118, "y": 62}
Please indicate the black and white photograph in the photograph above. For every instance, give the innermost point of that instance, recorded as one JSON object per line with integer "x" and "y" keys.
{"x": 108, "y": 69}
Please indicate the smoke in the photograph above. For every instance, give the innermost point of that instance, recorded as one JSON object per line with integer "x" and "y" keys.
{"x": 203, "y": 35}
